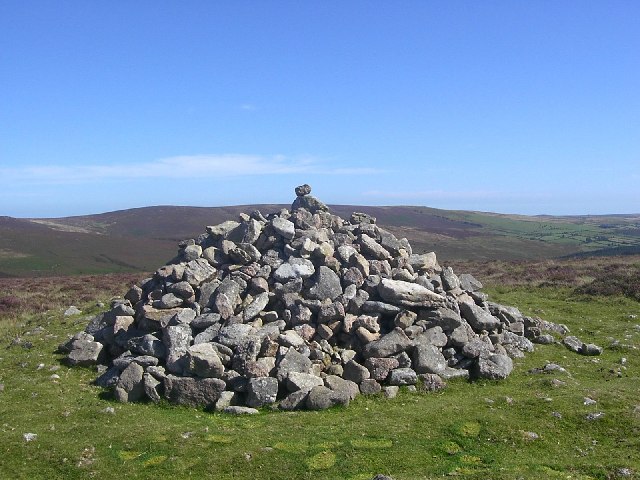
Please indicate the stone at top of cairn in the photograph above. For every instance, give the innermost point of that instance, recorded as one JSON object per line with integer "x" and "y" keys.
{"x": 307, "y": 201}
{"x": 302, "y": 190}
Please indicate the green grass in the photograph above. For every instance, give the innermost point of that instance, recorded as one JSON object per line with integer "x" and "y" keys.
{"x": 471, "y": 430}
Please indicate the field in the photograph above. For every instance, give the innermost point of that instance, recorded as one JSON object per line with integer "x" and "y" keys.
{"x": 528, "y": 426}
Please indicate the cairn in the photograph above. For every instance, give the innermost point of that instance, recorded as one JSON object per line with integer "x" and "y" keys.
{"x": 301, "y": 309}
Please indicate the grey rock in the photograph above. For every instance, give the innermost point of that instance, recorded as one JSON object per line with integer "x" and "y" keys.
{"x": 433, "y": 336}
{"x": 85, "y": 353}
{"x": 430, "y": 382}
{"x": 385, "y": 309}
{"x": 227, "y": 297}
{"x": 476, "y": 347}
{"x": 380, "y": 367}
{"x": 130, "y": 386}
{"x": 450, "y": 281}
{"x": 478, "y": 318}
{"x": 302, "y": 190}
{"x": 302, "y": 381}
{"x": 239, "y": 410}
{"x": 202, "y": 322}
{"x": 442, "y": 317}
{"x": 590, "y": 349}
{"x": 235, "y": 334}
{"x": 450, "y": 373}
{"x": 225, "y": 400}
{"x": 407, "y": 294}
{"x": 370, "y": 387}
{"x": 469, "y": 283}
{"x": 309, "y": 202}
{"x": 428, "y": 359}
{"x": 261, "y": 391}
{"x": 108, "y": 378}
{"x": 369, "y": 247}
{"x": 198, "y": 271}
{"x": 339, "y": 384}
{"x": 176, "y": 340}
{"x": 183, "y": 290}
{"x": 494, "y": 367}
{"x": 393, "y": 342}
{"x": 256, "y": 306}
{"x": 203, "y": 361}
{"x": 402, "y": 376}
{"x": 293, "y": 361}
{"x": 294, "y": 400}
{"x": 295, "y": 268}
{"x": 193, "y": 391}
{"x": 425, "y": 262}
{"x": 321, "y": 398}
{"x": 391, "y": 391}
{"x": 355, "y": 372}
{"x": 72, "y": 310}
{"x": 326, "y": 285}
{"x": 152, "y": 387}
{"x": 573, "y": 343}
{"x": 283, "y": 227}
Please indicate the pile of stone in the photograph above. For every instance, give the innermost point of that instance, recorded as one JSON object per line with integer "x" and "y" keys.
{"x": 300, "y": 309}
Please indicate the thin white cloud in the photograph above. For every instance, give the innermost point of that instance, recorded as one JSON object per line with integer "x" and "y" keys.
{"x": 451, "y": 195}
{"x": 248, "y": 107}
{"x": 184, "y": 166}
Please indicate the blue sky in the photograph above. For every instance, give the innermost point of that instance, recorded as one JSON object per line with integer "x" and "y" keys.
{"x": 515, "y": 107}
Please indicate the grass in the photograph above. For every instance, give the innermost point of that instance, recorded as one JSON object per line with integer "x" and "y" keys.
{"x": 477, "y": 430}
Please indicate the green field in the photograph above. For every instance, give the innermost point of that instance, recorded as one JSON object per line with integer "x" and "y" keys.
{"x": 523, "y": 427}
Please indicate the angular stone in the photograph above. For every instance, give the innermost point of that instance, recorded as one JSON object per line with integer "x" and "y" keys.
{"x": 430, "y": 382}
{"x": 283, "y": 227}
{"x": 355, "y": 372}
{"x": 235, "y": 334}
{"x": 256, "y": 306}
{"x": 402, "y": 376}
{"x": 193, "y": 391}
{"x": 425, "y": 262}
{"x": 428, "y": 359}
{"x": 321, "y": 398}
{"x": 152, "y": 387}
{"x": 176, "y": 340}
{"x": 85, "y": 353}
{"x": 339, "y": 384}
{"x": 450, "y": 280}
{"x": 380, "y": 367}
{"x": 494, "y": 367}
{"x": 130, "y": 386}
{"x": 302, "y": 381}
{"x": 261, "y": 391}
{"x": 295, "y": 268}
{"x": 372, "y": 248}
{"x": 326, "y": 285}
{"x": 573, "y": 343}
{"x": 393, "y": 342}
{"x": 469, "y": 283}
{"x": 370, "y": 387}
{"x": 590, "y": 349}
{"x": 240, "y": 410}
{"x": 478, "y": 318}
{"x": 294, "y": 400}
{"x": 293, "y": 361}
{"x": 407, "y": 294}
{"x": 203, "y": 361}
{"x": 198, "y": 271}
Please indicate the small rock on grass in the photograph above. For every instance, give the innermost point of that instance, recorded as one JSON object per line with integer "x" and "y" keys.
{"x": 594, "y": 416}
{"x": 72, "y": 310}
{"x": 589, "y": 401}
{"x": 238, "y": 410}
{"x": 29, "y": 437}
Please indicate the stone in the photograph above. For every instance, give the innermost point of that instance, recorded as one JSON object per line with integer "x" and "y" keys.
{"x": 344, "y": 387}
{"x": 402, "y": 376}
{"x": 293, "y": 361}
{"x": 84, "y": 353}
{"x": 391, "y": 391}
{"x": 380, "y": 367}
{"x": 430, "y": 382}
{"x": 321, "y": 398}
{"x": 235, "y": 334}
{"x": 407, "y": 294}
{"x": 261, "y": 391}
{"x": 294, "y": 400}
{"x": 449, "y": 279}
{"x": 326, "y": 285}
{"x": 469, "y": 283}
{"x": 310, "y": 203}
{"x": 152, "y": 387}
{"x": 355, "y": 372}
{"x": 428, "y": 358}
{"x": 425, "y": 262}
{"x": 295, "y": 268}
{"x": 302, "y": 381}
{"x": 239, "y": 410}
{"x": 193, "y": 391}
{"x": 373, "y": 249}
{"x": 203, "y": 361}
{"x": 370, "y": 387}
{"x": 590, "y": 349}
{"x": 573, "y": 343}
{"x": 494, "y": 367}
{"x": 176, "y": 340}
{"x": 71, "y": 311}
{"x": 256, "y": 306}
{"x": 393, "y": 342}
{"x": 130, "y": 386}
{"x": 478, "y": 318}
{"x": 283, "y": 227}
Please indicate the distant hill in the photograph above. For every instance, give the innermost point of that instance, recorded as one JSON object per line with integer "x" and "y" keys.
{"x": 141, "y": 239}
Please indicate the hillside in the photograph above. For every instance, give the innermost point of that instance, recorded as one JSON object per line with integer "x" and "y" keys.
{"x": 141, "y": 239}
